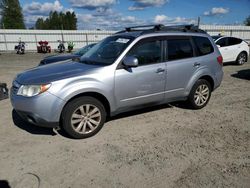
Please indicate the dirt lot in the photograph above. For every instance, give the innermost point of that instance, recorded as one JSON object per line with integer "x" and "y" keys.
{"x": 166, "y": 146}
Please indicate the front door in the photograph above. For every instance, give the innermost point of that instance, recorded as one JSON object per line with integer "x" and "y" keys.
{"x": 143, "y": 84}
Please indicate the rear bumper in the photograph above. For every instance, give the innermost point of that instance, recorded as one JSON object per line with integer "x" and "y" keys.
{"x": 218, "y": 79}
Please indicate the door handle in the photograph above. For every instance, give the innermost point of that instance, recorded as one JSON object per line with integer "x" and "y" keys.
{"x": 159, "y": 70}
{"x": 196, "y": 64}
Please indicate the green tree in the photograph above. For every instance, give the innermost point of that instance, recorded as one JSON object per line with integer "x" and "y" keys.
{"x": 58, "y": 21}
{"x": 39, "y": 23}
{"x": 12, "y": 16}
{"x": 247, "y": 21}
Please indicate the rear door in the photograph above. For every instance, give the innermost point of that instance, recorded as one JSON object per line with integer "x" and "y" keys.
{"x": 234, "y": 47}
{"x": 181, "y": 65}
{"x": 145, "y": 83}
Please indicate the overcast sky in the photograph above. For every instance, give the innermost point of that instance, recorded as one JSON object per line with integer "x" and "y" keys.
{"x": 116, "y": 14}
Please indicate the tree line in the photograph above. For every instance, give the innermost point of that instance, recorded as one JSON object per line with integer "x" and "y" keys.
{"x": 12, "y": 18}
{"x": 58, "y": 20}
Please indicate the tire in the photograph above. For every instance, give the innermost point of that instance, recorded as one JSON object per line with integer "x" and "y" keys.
{"x": 201, "y": 88}
{"x": 77, "y": 124}
{"x": 241, "y": 59}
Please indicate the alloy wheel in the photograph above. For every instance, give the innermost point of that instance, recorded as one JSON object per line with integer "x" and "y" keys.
{"x": 86, "y": 118}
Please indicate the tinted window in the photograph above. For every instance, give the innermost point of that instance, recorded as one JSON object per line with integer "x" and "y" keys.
{"x": 203, "y": 45}
{"x": 179, "y": 49}
{"x": 233, "y": 41}
{"x": 147, "y": 52}
{"x": 222, "y": 42}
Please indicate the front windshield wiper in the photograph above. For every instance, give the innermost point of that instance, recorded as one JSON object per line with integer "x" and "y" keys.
{"x": 92, "y": 62}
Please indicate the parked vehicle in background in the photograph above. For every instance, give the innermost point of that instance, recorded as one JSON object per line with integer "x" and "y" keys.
{"x": 232, "y": 49}
{"x": 74, "y": 55}
{"x": 131, "y": 69}
{"x": 4, "y": 91}
{"x": 44, "y": 47}
{"x": 61, "y": 47}
{"x": 20, "y": 48}
{"x": 70, "y": 46}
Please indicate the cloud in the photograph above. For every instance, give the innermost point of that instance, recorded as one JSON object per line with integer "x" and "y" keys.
{"x": 163, "y": 19}
{"x": 92, "y": 4}
{"x": 142, "y": 4}
{"x": 114, "y": 21}
{"x": 37, "y": 8}
{"x": 216, "y": 11}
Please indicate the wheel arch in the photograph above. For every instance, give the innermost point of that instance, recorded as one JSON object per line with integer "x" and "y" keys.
{"x": 201, "y": 74}
{"x": 95, "y": 95}
{"x": 245, "y": 52}
{"x": 209, "y": 79}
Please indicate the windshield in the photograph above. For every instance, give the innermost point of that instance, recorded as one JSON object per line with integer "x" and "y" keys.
{"x": 107, "y": 51}
{"x": 216, "y": 37}
{"x": 83, "y": 50}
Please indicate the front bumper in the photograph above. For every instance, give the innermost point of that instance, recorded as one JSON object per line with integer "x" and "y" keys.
{"x": 36, "y": 119}
{"x": 42, "y": 110}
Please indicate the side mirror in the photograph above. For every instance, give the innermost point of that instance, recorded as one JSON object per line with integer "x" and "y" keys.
{"x": 130, "y": 61}
{"x": 218, "y": 45}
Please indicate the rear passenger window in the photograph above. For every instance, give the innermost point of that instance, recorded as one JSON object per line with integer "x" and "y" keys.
{"x": 233, "y": 41}
{"x": 203, "y": 46}
{"x": 179, "y": 49}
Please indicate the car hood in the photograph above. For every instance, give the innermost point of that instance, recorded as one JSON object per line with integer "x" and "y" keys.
{"x": 55, "y": 58}
{"x": 49, "y": 73}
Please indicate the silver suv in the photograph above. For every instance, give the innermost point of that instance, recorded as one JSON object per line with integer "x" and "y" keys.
{"x": 138, "y": 67}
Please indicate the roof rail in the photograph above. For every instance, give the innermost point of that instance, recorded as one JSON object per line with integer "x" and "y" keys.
{"x": 160, "y": 27}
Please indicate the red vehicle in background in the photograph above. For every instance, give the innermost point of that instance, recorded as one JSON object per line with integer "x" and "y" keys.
{"x": 43, "y": 48}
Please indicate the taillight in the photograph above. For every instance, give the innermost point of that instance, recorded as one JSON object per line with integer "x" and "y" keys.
{"x": 220, "y": 60}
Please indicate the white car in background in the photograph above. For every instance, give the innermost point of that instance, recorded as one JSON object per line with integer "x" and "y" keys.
{"x": 232, "y": 49}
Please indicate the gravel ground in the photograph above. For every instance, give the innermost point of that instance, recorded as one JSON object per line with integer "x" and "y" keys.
{"x": 166, "y": 146}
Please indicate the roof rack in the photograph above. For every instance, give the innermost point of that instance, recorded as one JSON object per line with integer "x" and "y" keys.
{"x": 163, "y": 28}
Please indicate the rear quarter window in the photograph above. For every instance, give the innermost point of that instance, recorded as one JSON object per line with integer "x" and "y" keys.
{"x": 233, "y": 41}
{"x": 203, "y": 46}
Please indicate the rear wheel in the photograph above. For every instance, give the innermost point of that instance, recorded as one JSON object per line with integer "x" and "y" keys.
{"x": 241, "y": 59}
{"x": 83, "y": 117}
{"x": 200, "y": 94}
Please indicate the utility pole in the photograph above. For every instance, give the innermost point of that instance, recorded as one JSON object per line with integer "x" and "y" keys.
{"x": 198, "y": 21}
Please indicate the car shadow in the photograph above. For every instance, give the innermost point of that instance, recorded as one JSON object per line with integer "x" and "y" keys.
{"x": 20, "y": 123}
{"x": 33, "y": 129}
{"x": 232, "y": 63}
{"x": 179, "y": 104}
{"x": 242, "y": 74}
{"x": 138, "y": 112}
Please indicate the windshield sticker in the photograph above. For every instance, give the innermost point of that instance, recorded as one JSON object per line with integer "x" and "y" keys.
{"x": 122, "y": 40}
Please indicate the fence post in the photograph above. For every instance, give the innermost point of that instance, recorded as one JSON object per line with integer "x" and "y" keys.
{"x": 87, "y": 42}
{"x": 35, "y": 40}
{"x": 5, "y": 40}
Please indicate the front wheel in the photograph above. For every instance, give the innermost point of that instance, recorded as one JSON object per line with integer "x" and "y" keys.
{"x": 83, "y": 117}
{"x": 200, "y": 94}
{"x": 241, "y": 59}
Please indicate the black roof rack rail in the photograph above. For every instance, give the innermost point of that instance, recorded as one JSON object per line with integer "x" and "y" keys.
{"x": 160, "y": 27}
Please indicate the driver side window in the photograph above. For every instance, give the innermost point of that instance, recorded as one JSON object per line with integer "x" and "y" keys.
{"x": 147, "y": 52}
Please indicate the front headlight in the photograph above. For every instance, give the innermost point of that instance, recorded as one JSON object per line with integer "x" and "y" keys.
{"x": 32, "y": 90}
